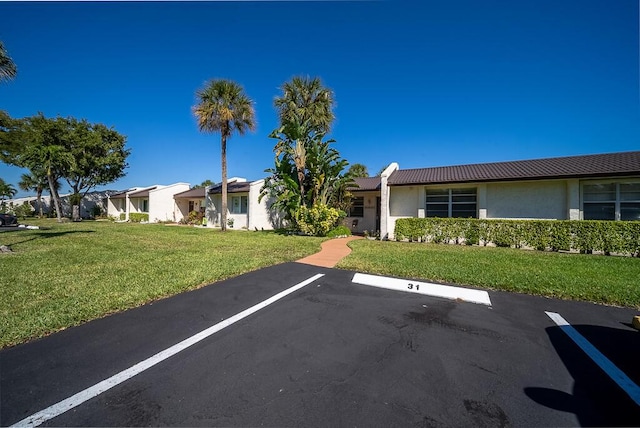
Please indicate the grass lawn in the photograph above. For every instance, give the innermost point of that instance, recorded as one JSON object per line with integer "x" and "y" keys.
{"x": 70, "y": 273}
{"x": 600, "y": 279}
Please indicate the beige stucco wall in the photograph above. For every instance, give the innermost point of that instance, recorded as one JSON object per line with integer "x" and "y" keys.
{"x": 527, "y": 200}
{"x": 368, "y": 220}
{"x": 181, "y": 209}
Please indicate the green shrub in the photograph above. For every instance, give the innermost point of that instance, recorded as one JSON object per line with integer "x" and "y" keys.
{"x": 339, "y": 231}
{"x": 96, "y": 211}
{"x": 586, "y": 236}
{"x": 23, "y": 211}
{"x": 195, "y": 217}
{"x": 317, "y": 220}
{"x": 138, "y": 217}
{"x": 123, "y": 216}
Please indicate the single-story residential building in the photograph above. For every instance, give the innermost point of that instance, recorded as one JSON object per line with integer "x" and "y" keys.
{"x": 243, "y": 206}
{"x": 91, "y": 203}
{"x": 189, "y": 201}
{"x": 590, "y": 187}
{"x": 156, "y": 201}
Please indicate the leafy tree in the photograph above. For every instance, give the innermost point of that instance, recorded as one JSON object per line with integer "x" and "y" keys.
{"x": 6, "y": 190}
{"x": 8, "y": 69}
{"x": 83, "y": 154}
{"x": 100, "y": 158}
{"x": 9, "y": 141}
{"x": 358, "y": 170}
{"x": 224, "y": 107}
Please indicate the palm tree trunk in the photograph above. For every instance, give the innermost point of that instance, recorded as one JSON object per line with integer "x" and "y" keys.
{"x": 39, "y": 199}
{"x": 56, "y": 200}
{"x": 223, "y": 215}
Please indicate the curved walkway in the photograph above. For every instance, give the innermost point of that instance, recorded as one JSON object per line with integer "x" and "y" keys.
{"x": 331, "y": 253}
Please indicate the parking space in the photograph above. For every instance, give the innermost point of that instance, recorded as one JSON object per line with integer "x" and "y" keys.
{"x": 332, "y": 353}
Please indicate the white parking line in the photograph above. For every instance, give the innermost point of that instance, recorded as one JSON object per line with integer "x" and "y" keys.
{"x": 97, "y": 389}
{"x": 426, "y": 288}
{"x": 605, "y": 364}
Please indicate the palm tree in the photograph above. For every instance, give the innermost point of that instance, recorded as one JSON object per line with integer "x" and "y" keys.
{"x": 224, "y": 107}
{"x": 7, "y": 66}
{"x": 36, "y": 181}
{"x": 306, "y": 101}
{"x": 358, "y": 170}
{"x": 6, "y": 190}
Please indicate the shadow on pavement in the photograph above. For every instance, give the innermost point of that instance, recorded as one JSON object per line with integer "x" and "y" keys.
{"x": 596, "y": 400}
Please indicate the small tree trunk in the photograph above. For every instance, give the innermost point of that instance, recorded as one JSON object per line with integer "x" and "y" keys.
{"x": 76, "y": 213}
{"x": 223, "y": 214}
{"x": 39, "y": 198}
{"x": 56, "y": 199}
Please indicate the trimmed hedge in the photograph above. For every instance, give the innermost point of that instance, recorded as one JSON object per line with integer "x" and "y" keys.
{"x": 586, "y": 236}
{"x": 138, "y": 217}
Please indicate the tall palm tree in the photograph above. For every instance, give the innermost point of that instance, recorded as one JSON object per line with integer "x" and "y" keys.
{"x": 306, "y": 101}
{"x": 224, "y": 107}
{"x": 8, "y": 68}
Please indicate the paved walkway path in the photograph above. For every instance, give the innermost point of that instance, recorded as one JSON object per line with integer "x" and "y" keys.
{"x": 331, "y": 253}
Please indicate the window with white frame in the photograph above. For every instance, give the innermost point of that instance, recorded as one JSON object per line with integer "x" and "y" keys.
{"x": 461, "y": 203}
{"x": 611, "y": 201}
{"x": 239, "y": 204}
{"x": 357, "y": 207}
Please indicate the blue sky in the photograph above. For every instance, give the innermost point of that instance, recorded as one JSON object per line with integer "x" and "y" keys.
{"x": 426, "y": 83}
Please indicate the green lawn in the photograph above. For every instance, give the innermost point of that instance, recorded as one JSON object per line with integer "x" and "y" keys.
{"x": 610, "y": 280}
{"x": 66, "y": 274}
{"x": 70, "y": 273}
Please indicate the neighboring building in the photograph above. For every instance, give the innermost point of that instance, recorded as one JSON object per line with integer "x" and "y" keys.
{"x": 87, "y": 207}
{"x": 188, "y": 201}
{"x": 243, "y": 206}
{"x": 591, "y": 187}
{"x": 156, "y": 201}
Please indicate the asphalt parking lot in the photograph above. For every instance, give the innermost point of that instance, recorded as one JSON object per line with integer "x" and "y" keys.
{"x": 332, "y": 353}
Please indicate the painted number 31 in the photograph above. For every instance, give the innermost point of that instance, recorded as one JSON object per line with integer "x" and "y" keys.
{"x": 414, "y": 286}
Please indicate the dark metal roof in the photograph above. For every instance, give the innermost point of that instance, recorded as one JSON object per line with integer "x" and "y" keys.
{"x": 365, "y": 183}
{"x": 197, "y": 193}
{"x": 600, "y": 165}
{"x": 235, "y": 187}
{"x": 142, "y": 193}
{"x": 119, "y": 195}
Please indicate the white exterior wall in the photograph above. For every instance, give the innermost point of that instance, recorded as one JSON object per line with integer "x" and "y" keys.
{"x": 386, "y": 224}
{"x": 212, "y": 211}
{"x": 527, "y": 200}
{"x": 260, "y": 216}
{"x": 403, "y": 202}
{"x": 214, "y": 208}
{"x": 240, "y": 221}
{"x": 162, "y": 206}
{"x": 115, "y": 207}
